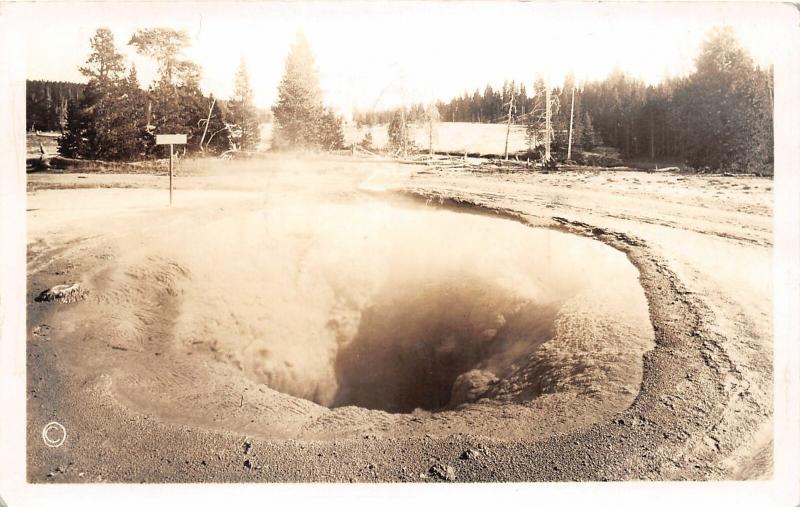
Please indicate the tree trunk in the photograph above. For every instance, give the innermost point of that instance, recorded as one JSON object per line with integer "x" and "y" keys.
{"x": 208, "y": 120}
{"x": 652, "y": 138}
{"x": 508, "y": 127}
{"x": 430, "y": 137}
{"x": 571, "y": 115}
{"x": 547, "y": 127}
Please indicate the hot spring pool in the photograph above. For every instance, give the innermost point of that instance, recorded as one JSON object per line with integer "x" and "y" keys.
{"x": 398, "y": 308}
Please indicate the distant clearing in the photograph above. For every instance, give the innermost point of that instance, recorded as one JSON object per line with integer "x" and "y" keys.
{"x": 481, "y": 138}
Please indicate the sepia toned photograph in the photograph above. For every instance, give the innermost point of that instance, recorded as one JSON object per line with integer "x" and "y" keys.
{"x": 401, "y": 242}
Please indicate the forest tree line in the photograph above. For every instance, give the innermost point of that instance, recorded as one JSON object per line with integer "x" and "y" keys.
{"x": 720, "y": 117}
{"x": 112, "y": 117}
{"x": 116, "y": 119}
{"x": 46, "y": 103}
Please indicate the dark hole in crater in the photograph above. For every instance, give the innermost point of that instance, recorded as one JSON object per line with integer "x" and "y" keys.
{"x": 436, "y": 345}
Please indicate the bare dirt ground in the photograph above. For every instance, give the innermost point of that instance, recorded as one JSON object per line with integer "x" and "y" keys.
{"x": 140, "y": 405}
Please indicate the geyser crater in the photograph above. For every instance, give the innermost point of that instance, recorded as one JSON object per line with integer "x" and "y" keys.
{"x": 397, "y": 309}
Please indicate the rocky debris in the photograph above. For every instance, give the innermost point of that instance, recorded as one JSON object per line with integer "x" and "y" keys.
{"x": 246, "y": 446}
{"x": 41, "y": 330}
{"x": 445, "y": 473}
{"x": 470, "y": 454}
{"x": 470, "y": 386}
{"x": 65, "y": 293}
{"x": 59, "y": 470}
{"x": 247, "y": 464}
{"x": 632, "y": 421}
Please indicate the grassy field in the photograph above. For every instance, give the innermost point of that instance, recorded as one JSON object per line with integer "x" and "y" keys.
{"x": 49, "y": 141}
{"x": 481, "y": 138}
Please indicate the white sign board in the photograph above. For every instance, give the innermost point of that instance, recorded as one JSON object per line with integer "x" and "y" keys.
{"x": 171, "y": 139}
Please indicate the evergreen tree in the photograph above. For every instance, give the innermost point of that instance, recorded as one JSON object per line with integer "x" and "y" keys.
{"x": 588, "y": 137}
{"x": 759, "y": 150}
{"x": 69, "y": 144}
{"x": 726, "y": 99}
{"x": 298, "y": 110}
{"x": 164, "y": 45}
{"x": 366, "y": 143}
{"x": 330, "y": 135}
{"x": 243, "y": 111}
{"x": 535, "y": 117}
{"x": 399, "y": 138}
{"x": 532, "y": 133}
{"x": 105, "y": 64}
{"x": 489, "y": 104}
{"x": 128, "y": 122}
{"x": 178, "y": 104}
{"x": 178, "y": 110}
{"x": 103, "y": 125}
{"x": 477, "y": 107}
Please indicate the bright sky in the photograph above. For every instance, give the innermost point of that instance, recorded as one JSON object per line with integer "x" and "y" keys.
{"x": 380, "y": 54}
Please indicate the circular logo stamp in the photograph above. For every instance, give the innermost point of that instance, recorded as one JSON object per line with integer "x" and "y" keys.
{"x": 54, "y": 434}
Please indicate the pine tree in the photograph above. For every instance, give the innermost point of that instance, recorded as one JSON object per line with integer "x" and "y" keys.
{"x": 366, "y": 143}
{"x": 130, "y": 127}
{"x": 243, "y": 111}
{"x": 398, "y": 132}
{"x": 760, "y": 150}
{"x": 330, "y": 135}
{"x": 729, "y": 118}
{"x": 164, "y": 45}
{"x": 588, "y": 137}
{"x": 69, "y": 144}
{"x": 105, "y": 64}
{"x": 178, "y": 104}
{"x": 96, "y": 127}
{"x": 535, "y": 117}
{"x": 299, "y": 110}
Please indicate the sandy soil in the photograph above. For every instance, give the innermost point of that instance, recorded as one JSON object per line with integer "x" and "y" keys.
{"x": 152, "y": 389}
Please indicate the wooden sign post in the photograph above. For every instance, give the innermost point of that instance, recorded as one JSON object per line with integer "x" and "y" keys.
{"x": 171, "y": 140}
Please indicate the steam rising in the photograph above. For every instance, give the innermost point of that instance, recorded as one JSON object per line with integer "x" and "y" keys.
{"x": 396, "y": 308}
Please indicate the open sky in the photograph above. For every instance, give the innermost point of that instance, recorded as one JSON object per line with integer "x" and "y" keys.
{"x": 377, "y": 55}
